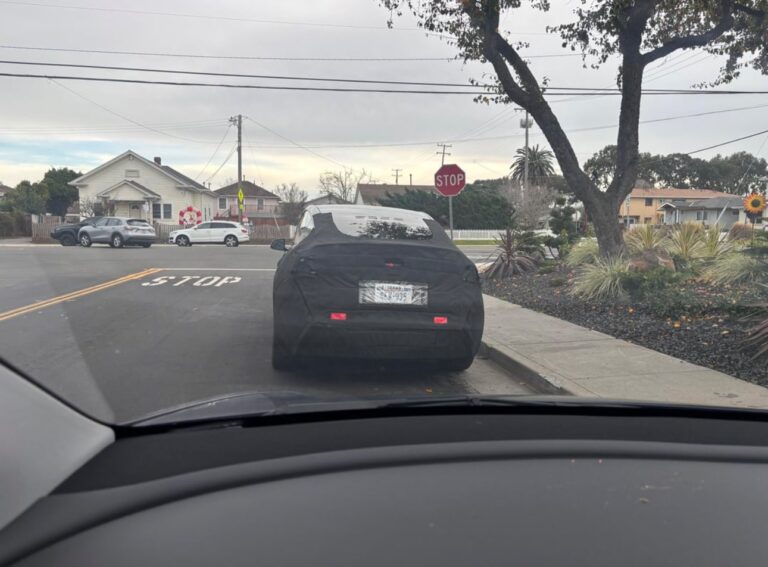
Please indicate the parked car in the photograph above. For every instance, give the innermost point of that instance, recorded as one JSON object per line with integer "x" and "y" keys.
{"x": 117, "y": 232}
{"x": 67, "y": 234}
{"x": 367, "y": 282}
{"x": 229, "y": 233}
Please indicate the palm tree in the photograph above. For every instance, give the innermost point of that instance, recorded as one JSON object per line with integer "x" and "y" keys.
{"x": 539, "y": 165}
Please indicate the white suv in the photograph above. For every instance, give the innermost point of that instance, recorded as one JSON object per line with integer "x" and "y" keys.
{"x": 214, "y": 232}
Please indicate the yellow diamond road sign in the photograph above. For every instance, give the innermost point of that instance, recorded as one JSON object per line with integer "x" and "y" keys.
{"x": 240, "y": 195}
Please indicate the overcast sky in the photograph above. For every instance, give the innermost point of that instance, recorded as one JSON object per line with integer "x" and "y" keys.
{"x": 81, "y": 124}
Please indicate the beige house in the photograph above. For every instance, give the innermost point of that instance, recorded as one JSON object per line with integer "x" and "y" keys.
{"x": 132, "y": 186}
{"x": 644, "y": 206}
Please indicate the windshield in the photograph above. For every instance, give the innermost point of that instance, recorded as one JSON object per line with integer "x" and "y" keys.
{"x": 305, "y": 202}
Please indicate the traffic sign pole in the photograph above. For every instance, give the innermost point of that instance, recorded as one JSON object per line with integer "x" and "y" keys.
{"x": 450, "y": 181}
{"x": 450, "y": 214}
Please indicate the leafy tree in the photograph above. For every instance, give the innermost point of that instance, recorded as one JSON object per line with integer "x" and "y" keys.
{"x": 738, "y": 173}
{"x": 60, "y": 195}
{"x": 640, "y": 32}
{"x": 27, "y": 197}
{"x": 540, "y": 166}
{"x": 343, "y": 184}
{"x": 561, "y": 221}
{"x": 472, "y": 209}
{"x": 292, "y": 201}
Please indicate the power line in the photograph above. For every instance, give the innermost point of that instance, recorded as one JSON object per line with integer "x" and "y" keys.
{"x": 210, "y": 159}
{"x": 226, "y": 159}
{"x": 265, "y": 58}
{"x": 131, "y": 120}
{"x": 360, "y": 90}
{"x": 290, "y": 141}
{"x": 728, "y": 142}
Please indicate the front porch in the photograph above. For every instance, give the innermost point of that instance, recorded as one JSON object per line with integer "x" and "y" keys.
{"x": 129, "y": 199}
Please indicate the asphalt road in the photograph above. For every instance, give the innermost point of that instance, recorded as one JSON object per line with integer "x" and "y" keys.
{"x": 123, "y": 333}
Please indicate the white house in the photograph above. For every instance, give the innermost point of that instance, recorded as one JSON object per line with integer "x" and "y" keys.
{"x": 722, "y": 211}
{"x": 132, "y": 186}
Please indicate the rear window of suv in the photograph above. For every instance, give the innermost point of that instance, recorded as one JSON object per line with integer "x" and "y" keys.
{"x": 383, "y": 227}
{"x": 137, "y": 222}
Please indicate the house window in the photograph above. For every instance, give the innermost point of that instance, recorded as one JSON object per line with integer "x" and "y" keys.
{"x": 167, "y": 210}
{"x": 701, "y": 215}
{"x": 161, "y": 211}
{"x": 647, "y": 220}
{"x": 260, "y": 204}
{"x": 735, "y": 212}
{"x": 222, "y": 203}
{"x": 649, "y": 202}
{"x": 132, "y": 173}
{"x": 698, "y": 215}
{"x": 156, "y": 211}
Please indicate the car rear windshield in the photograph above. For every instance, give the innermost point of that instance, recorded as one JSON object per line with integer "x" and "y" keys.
{"x": 138, "y": 222}
{"x": 383, "y": 227}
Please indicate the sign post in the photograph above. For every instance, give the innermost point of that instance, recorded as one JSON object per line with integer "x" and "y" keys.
{"x": 450, "y": 180}
{"x": 240, "y": 199}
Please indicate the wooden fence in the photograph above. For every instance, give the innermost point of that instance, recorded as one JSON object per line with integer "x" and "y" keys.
{"x": 262, "y": 234}
{"x": 41, "y": 230}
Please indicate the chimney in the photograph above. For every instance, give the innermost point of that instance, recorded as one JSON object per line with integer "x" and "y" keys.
{"x": 158, "y": 160}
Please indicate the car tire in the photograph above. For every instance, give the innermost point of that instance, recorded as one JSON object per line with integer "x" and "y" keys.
{"x": 117, "y": 241}
{"x": 281, "y": 359}
{"x": 456, "y": 364}
{"x": 147, "y": 245}
{"x": 183, "y": 241}
{"x": 85, "y": 240}
{"x": 67, "y": 239}
{"x": 231, "y": 241}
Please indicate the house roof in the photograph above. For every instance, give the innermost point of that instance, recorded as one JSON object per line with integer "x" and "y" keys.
{"x": 372, "y": 192}
{"x": 326, "y": 200}
{"x": 135, "y": 184}
{"x": 249, "y": 190}
{"x": 181, "y": 179}
{"x": 672, "y": 193}
{"x": 4, "y": 189}
{"x": 717, "y": 203}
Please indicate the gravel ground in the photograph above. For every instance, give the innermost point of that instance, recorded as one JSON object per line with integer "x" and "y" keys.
{"x": 713, "y": 340}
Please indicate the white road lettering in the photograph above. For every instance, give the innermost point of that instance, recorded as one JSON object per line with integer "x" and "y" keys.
{"x": 184, "y": 279}
{"x": 197, "y": 281}
{"x": 206, "y": 281}
{"x": 228, "y": 279}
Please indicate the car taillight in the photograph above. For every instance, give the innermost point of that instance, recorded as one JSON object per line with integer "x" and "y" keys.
{"x": 243, "y": 231}
{"x": 338, "y": 316}
{"x": 440, "y": 320}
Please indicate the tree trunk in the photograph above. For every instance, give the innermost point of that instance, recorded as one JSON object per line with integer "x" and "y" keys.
{"x": 605, "y": 218}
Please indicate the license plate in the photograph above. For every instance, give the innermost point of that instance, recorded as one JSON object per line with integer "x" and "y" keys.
{"x": 393, "y": 293}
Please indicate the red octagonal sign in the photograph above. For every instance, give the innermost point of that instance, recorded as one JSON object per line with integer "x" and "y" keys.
{"x": 450, "y": 179}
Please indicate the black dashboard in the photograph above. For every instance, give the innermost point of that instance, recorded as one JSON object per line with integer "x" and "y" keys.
{"x": 480, "y": 487}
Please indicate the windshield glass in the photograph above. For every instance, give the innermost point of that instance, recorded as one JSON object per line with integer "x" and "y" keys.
{"x": 301, "y": 202}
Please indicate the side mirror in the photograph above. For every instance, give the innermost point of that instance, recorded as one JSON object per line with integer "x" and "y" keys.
{"x": 279, "y": 245}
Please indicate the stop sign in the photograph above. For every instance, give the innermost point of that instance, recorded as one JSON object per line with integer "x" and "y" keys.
{"x": 450, "y": 179}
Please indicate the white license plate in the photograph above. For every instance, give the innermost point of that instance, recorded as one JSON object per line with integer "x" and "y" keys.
{"x": 390, "y": 293}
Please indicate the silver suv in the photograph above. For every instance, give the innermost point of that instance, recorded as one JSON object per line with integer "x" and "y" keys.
{"x": 117, "y": 232}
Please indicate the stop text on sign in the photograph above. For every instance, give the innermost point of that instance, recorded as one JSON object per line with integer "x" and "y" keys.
{"x": 196, "y": 281}
{"x": 450, "y": 179}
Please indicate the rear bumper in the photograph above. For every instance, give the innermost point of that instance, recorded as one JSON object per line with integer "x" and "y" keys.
{"x": 140, "y": 239}
{"x": 387, "y": 336}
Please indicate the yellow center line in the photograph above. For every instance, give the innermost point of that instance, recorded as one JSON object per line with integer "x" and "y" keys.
{"x": 75, "y": 294}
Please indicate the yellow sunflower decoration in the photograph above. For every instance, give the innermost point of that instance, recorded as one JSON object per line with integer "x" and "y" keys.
{"x": 754, "y": 204}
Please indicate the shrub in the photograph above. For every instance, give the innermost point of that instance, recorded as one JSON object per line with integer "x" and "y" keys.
{"x": 585, "y": 252}
{"x": 601, "y": 280}
{"x": 757, "y": 338}
{"x": 713, "y": 244}
{"x": 686, "y": 242}
{"x": 548, "y": 269}
{"x": 740, "y": 231}
{"x": 515, "y": 256}
{"x": 736, "y": 267}
{"x": 641, "y": 285}
{"x": 558, "y": 281}
{"x": 644, "y": 238}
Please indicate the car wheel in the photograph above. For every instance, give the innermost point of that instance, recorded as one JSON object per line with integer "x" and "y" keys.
{"x": 456, "y": 364}
{"x": 147, "y": 245}
{"x": 116, "y": 241}
{"x": 231, "y": 241}
{"x": 182, "y": 241}
{"x": 281, "y": 359}
{"x": 67, "y": 240}
{"x": 85, "y": 240}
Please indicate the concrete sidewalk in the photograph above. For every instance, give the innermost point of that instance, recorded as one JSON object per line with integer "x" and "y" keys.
{"x": 559, "y": 357}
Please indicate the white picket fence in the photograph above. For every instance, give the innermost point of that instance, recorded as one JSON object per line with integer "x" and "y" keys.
{"x": 490, "y": 234}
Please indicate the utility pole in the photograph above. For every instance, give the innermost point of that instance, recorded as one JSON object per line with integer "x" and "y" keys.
{"x": 525, "y": 123}
{"x": 238, "y": 121}
{"x": 410, "y": 179}
{"x": 442, "y": 155}
{"x": 396, "y": 175}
